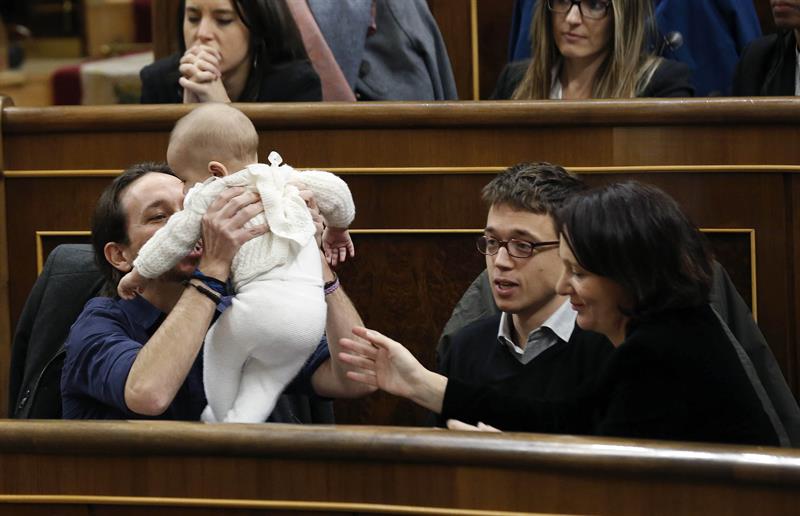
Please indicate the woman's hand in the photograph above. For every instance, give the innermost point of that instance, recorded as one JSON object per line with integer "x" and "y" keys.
{"x": 201, "y": 78}
{"x": 455, "y": 424}
{"x": 388, "y": 365}
{"x": 224, "y": 231}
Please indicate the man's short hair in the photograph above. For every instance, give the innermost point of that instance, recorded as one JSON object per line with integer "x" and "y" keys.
{"x": 110, "y": 222}
{"x": 537, "y": 187}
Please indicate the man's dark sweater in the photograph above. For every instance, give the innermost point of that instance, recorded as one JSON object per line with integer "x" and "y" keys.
{"x": 475, "y": 356}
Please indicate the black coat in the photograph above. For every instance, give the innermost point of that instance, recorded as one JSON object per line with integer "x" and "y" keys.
{"x": 295, "y": 81}
{"x": 676, "y": 377}
{"x": 671, "y": 79}
{"x": 767, "y": 67}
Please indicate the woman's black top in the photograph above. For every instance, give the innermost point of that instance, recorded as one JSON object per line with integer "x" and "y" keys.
{"x": 294, "y": 81}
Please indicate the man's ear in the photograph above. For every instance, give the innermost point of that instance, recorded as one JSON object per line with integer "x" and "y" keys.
{"x": 115, "y": 255}
{"x": 217, "y": 169}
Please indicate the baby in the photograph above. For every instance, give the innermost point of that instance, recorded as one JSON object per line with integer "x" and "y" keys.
{"x": 277, "y": 316}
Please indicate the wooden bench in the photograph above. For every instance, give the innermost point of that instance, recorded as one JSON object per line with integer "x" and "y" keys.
{"x": 111, "y": 468}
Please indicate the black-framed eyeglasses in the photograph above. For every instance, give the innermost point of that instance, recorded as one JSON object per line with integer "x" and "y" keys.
{"x": 592, "y": 9}
{"x": 515, "y": 247}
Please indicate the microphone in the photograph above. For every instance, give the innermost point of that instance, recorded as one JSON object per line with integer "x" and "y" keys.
{"x": 671, "y": 42}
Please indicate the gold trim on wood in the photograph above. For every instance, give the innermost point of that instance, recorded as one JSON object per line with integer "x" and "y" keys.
{"x": 476, "y": 76}
{"x": 40, "y": 245}
{"x": 16, "y": 174}
{"x": 226, "y": 503}
{"x": 576, "y": 170}
{"x": 753, "y": 275}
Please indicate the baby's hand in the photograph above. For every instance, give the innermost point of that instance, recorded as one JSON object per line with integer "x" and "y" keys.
{"x": 337, "y": 244}
{"x": 131, "y": 284}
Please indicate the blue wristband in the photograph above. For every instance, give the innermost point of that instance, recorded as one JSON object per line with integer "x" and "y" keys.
{"x": 217, "y": 285}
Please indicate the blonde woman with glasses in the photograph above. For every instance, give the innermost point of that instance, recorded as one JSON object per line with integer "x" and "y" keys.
{"x": 593, "y": 49}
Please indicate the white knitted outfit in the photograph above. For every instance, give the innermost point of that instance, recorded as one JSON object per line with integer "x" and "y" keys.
{"x": 277, "y": 316}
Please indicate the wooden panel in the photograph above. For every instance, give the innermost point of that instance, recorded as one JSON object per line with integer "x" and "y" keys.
{"x": 729, "y": 162}
{"x": 107, "y": 24}
{"x": 5, "y": 321}
{"x": 454, "y": 20}
{"x": 494, "y": 27}
{"x": 164, "y": 23}
{"x": 407, "y": 285}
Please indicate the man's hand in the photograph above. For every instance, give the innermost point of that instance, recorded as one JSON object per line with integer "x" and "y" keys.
{"x": 308, "y": 196}
{"x": 224, "y": 229}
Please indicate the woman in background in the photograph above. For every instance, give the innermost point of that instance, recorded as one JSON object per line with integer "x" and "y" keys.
{"x": 234, "y": 51}
{"x": 593, "y": 49}
{"x": 637, "y": 271}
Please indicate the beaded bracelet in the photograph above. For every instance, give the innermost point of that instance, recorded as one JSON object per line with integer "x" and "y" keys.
{"x": 331, "y": 286}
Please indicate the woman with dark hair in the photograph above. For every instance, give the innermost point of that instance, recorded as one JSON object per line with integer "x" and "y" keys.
{"x": 234, "y": 51}
{"x": 637, "y": 271}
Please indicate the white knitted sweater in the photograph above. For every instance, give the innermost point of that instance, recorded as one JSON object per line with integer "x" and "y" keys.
{"x": 290, "y": 224}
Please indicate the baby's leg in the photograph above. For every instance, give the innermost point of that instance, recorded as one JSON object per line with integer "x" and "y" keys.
{"x": 290, "y": 326}
{"x": 225, "y": 352}
{"x": 258, "y": 393}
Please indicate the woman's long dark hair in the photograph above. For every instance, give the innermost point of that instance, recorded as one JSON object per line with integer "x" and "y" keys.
{"x": 636, "y": 235}
{"x": 274, "y": 38}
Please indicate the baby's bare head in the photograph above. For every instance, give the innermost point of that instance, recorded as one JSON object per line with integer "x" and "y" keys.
{"x": 212, "y": 132}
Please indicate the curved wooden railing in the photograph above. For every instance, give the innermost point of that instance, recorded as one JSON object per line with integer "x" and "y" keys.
{"x": 488, "y": 114}
{"x": 383, "y": 470}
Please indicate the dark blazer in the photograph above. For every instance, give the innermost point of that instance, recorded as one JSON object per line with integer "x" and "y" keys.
{"x": 671, "y": 79}
{"x": 767, "y": 67}
{"x": 674, "y": 377}
{"x": 295, "y": 81}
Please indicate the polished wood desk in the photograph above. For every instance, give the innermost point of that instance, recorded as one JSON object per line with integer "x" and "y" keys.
{"x": 105, "y": 468}
{"x": 416, "y": 171}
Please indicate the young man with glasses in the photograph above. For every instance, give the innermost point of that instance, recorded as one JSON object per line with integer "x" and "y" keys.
{"x": 533, "y": 344}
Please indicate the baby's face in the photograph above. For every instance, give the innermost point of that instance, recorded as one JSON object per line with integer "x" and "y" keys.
{"x": 190, "y": 177}
{"x": 186, "y": 170}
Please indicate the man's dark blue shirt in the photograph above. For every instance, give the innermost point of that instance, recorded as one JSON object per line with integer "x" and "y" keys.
{"x": 102, "y": 346}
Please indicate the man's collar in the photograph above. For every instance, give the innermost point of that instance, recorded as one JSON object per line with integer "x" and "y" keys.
{"x": 141, "y": 311}
{"x": 561, "y": 322}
